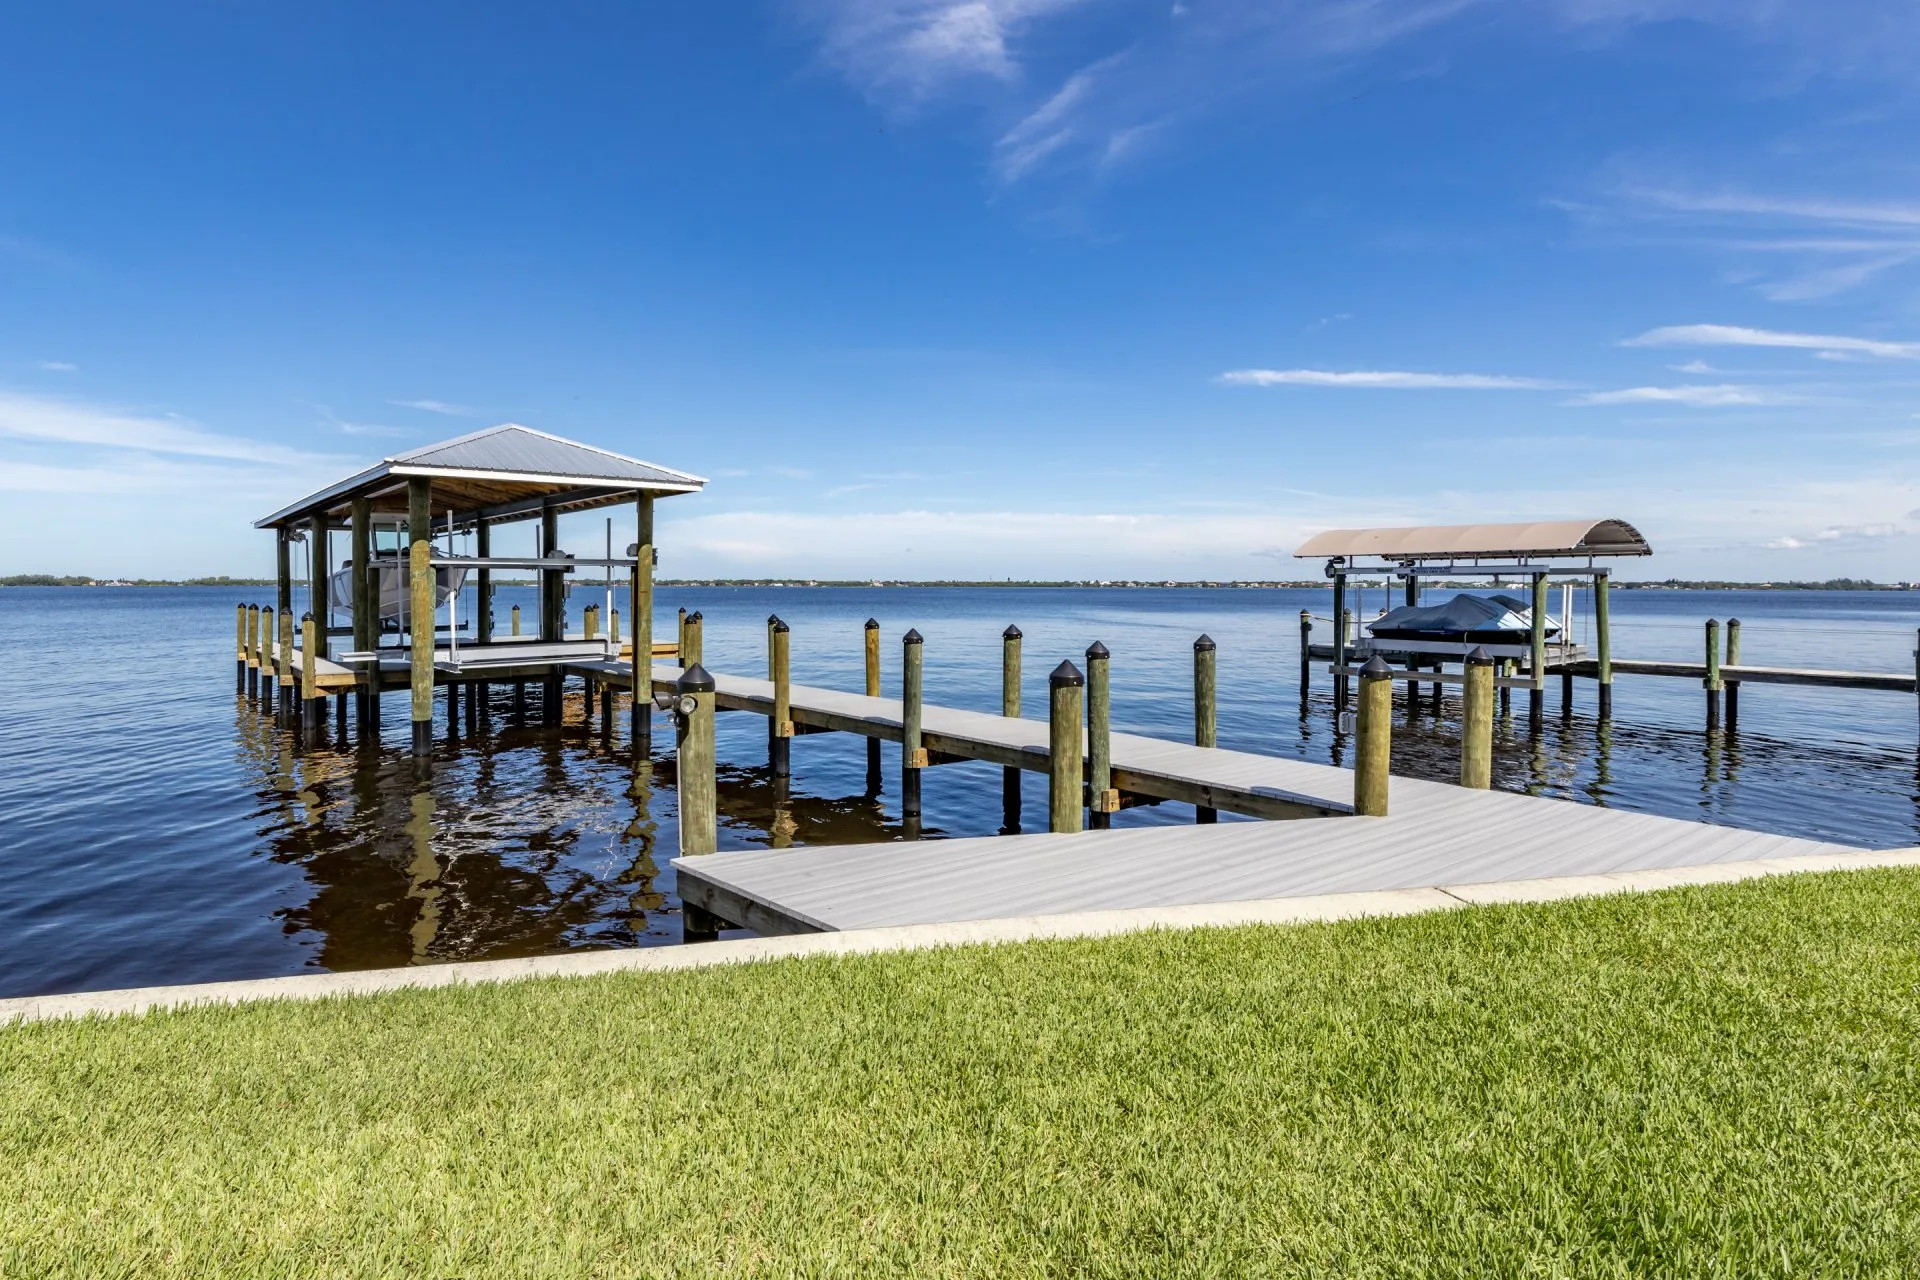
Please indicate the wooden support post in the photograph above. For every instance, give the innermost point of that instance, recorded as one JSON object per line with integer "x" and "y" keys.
{"x": 693, "y": 762}
{"x": 872, "y": 642}
{"x": 606, "y": 711}
{"x": 1064, "y": 799}
{"x": 1566, "y": 692}
{"x": 780, "y": 748}
{"x": 553, "y": 699}
{"x": 283, "y": 572}
{"x": 366, "y": 624}
{"x": 1476, "y": 740}
{"x": 590, "y": 621}
{"x": 240, "y": 648}
{"x": 1373, "y": 753}
{"x": 1010, "y": 707}
{"x": 317, "y": 592}
{"x": 680, "y": 638}
{"x": 420, "y": 609}
{"x": 693, "y": 646}
{"x": 913, "y": 756}
{"x": 284, "y": 689}
{"x": 252, "y": 623}
{"x": 1306, "y": 654}
{"x": 1712, "y": 681}
{"x": 1537, "y": 656}
{"x": 453, "y": 711}
{"x": 263, "y": 644}
{"x": 1339, "y": 640}
{"x": 1102, "y": 800}
{"x": 1411, "y": 596}
{"x": 1505, "y": 667}
{"x": 483, "y": 584}
{"x": 553, "y": 622}
{"x": 641, "y": 592}
{"x": 516, "y": 620}
{"x": 1205, "y": 719}
{"x": 1603, "y": 643}
{"x": 1733, "y": 686}
{"x": 311, "y": 708}
{"x": 340, "y": 717}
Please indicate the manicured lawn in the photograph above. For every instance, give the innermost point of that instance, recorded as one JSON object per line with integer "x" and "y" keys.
{"x": 1705, "y": 1082}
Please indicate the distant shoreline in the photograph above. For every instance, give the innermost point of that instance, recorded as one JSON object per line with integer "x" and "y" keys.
{"x": 1667, "y": 584}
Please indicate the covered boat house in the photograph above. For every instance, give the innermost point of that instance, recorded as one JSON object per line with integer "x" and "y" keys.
{"x": 396, "y": 582}
{"x": 1518, "y": 633}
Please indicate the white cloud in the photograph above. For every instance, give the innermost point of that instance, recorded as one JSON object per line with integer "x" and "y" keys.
{"x": 1723, "y": 395}
{"x": 1387, "y": 378}
{"x": 1726, "y": 335}
{"x": 1785, "y": 544}
{"x": 435, "y": 406}
{"x": 57, "y": 366}
{"x": 67, "y": 422}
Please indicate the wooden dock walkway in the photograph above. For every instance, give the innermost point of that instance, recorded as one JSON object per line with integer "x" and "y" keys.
{"x": 1231, "y": 781}
{"x": 1437, "y": 835}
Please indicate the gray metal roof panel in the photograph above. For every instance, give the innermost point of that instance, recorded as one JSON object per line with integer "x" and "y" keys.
{"x": 511, "y": 447}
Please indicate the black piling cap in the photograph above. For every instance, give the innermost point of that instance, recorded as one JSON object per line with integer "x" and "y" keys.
{"x": 307, "y": 616}
{"x": 696, "y": 616}
{"x": 872, "y": 625}
{"x": 1204, "y": 644}
{"x": 1066, "y": 676}
{"x": 1479, "y": 657}
{"x": 1733, "y": 622}
{"x": 1011, "y": 633}
{"x": 779, "y": 627}
{"x": 772, "y": 618}
{"x": 912, "y": 637}
{"x": 1097, "y": 652}
{"x": 1376, "y": 669}
{"x": 694, "y": 680}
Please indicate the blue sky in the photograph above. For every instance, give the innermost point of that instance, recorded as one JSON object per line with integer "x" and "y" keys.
{"x": 998, "y": 288}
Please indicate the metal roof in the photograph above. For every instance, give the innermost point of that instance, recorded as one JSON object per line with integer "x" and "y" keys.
{"x": 501, "y": 471}
{"x": 1481, "y": 541}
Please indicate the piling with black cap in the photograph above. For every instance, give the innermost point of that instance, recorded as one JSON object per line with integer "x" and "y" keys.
{"x": 1306, "y": 654}
{"x": 1010, "y": 707}
{"x": 240, "y": 648}
{"x": 913, "y": 755}
{"x": 693, "y": 646}
{"x": 1064, "y": 689}
{"x": 780, "y": 727}
{"x": 693, "y": 768}
{"x": 1102, "y": 800}
{"x": 284, "y": 689}
{"x": 516, "y": 620}
{"x": 1537, "y": 655}
{"x": 1603, "y": 645}
{"x": 1373, "y": 749}
{"x": 1476, "y": 740}
{"x": 253, "y": 651}
{"x": 872, "y": 658}
{"x": 1712, "y": 681}
{"x": 1733, "y": 686}
{"x": 1205, "y": 719}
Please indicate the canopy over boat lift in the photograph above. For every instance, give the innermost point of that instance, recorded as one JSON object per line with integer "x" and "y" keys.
{"x": 501, "y": 475}
{"x": 1527, "y": 552}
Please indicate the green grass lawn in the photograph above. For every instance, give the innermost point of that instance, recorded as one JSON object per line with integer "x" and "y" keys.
{"x": 1703, "y": 1082}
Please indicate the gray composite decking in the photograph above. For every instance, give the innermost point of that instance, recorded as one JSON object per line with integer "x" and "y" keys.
{"x": 1436, "y": 834}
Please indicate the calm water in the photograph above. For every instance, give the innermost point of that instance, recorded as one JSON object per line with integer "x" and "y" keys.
{"x": 154, "y": 829}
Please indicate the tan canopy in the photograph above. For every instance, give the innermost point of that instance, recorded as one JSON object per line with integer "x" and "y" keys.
{"x": 1481, "y": 541}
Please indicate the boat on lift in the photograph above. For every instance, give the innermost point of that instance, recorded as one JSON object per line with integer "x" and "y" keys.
{"x": 1465, "y": 619}
{"x": 391, "y": 572}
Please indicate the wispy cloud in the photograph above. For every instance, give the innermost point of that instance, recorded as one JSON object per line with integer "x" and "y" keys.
{"x": 68, "y": 422}
{"x": 1727, "y": 335}
{"x": 435, "y": 406}
{"x": 57, "y": 366}
{"x": 1721, "y": 396}
{"x": 1385, "y": 378}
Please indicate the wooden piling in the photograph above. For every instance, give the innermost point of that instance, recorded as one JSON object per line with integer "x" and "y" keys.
{"x": 483, "y": 583}
{"x": 590, "y": 621}
{"x": 872, "y": 655}
{"x": 364, "y": 586}
{"x": 240, "y": 648}
{"x": 693, "y": 767}
{"x": 253, "y": 651}
{"x": 1306, "y": 654}
{"x": 516, "y": 620}
{"x": 284, "y": 688}
{"x": 1339, "y": 640}
{"x": 1373, "y": 751}
{"x": 1603, "y": 643}
{"x": 1411, "y": 596}
{"x": 780, "y": 748}
{"x": 641, "y": 591}
{"x": 553, "y": 583}
{"x": 318, "y": 602}
{"x": 1537, "y": 655}
{"x": 420, "y": 609}
{"x": 1010, "y": 640}
{"x": 263, "y": 646}
{"x": 1476, "y": 739}
{"x": 1712, "y": 681}
{"x": 1733, "y": 686}
{"x": 693, "y": 647}
{"x": 310, "y": 706}
{"x": 1102, "y": 800}
{"x": 1064, "y": 689}
{"x": 1205, "y": 719}
{"x": 913, "y": 755}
